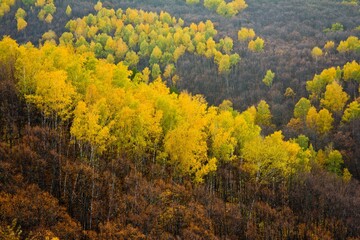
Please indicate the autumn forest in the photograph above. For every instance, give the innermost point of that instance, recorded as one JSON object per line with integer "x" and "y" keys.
{"x": 179, "y": 119}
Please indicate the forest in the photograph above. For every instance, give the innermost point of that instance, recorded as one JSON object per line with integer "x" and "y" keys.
{"x": 179, "y": 119}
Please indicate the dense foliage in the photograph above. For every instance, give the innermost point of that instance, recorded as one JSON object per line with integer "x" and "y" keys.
{"x": 103, "y": 134}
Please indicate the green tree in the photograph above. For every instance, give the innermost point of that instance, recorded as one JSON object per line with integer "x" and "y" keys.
{"x": 317, "y": 86}
{"x": 20, "y": 13}
{"x": 155, "y": 71}
{"x": 334, "y": 161}
{"x": 156, "y": 55}
{"x": 289, "y": 92}
{"x": 263, "y": 114}
{"x": 28, "y": 2}
{"x": 269, "y": 77}
{"x": 301, "y": 108}
{"x": 351, "y": 112}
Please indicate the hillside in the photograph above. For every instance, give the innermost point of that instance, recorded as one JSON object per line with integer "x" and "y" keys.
{"x": 179, "y": 119}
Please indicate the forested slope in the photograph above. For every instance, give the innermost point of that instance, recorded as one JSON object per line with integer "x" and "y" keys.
{"x": 103, "y": 135}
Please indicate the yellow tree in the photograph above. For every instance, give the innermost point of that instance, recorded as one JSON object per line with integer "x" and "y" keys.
{"x": 271, "y": 158}
{"x": 245, "y": 34}
{"x": 301, "y": 108}
{"x": 221, "y": 128}
{"x": 238, "y": 5}
{"x": 68, "y": 11}
{"x": 269, "y": 77}
{"x": 98, "y": 6}
{"x": 49, "y": 18}
{"x": 21, "y": 24}
{"x": 351, "y": 112}
{"x": 53, "y": 95}
{"x": 329, "y": 45}
{"x": 316, "y": 53}
{"x": 352, "y": 71}
{"x": 245, "y": 129}
{"x": 256, "y": 45}
{"x": 311, "y": 118}
{"x": 320, "y": 121}
{"x": 334, "y": 98}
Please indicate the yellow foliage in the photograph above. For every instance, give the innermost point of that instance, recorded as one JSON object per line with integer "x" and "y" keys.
{"x": 53, "y": 94}
{"x": 271, "y": 157}
{"x": 319, "y": 121}
{"x": 21, "y": 24}
{"x": 49, "y": 18}
{"x": 334, "y": 98}
{"x": 329, "y": 45}
{"x": 352, "y": 71}
{"x": 245, "y": 34}
{"x": 316, "y": 52}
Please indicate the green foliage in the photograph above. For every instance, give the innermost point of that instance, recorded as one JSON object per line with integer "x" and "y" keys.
{"x": 20, "y": 13}
{"x": 350, "y": 2}
{"x": 256, "y": 45}
{"x": 334, "y": 161}
{"x": 28, "y": 2}
{"x": 134, "y": 129}
{"x": 289, "y": 92}
{"x": 221, "y": 7}
{"x": 303, "y": 141}
{"x": 301, "y": 108}
{"x": 212, "y": 4}
{"x": 352, "y": 112}
{"x": 269, "y": 77}
{"x": 335, "y": 27}
{"x": 192, "y": 2}
{"x": 136, "y": 35}
{"x": 263, "y": 114}
{"x": 108, "y": 111}
{"x": 317, "y": 86}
